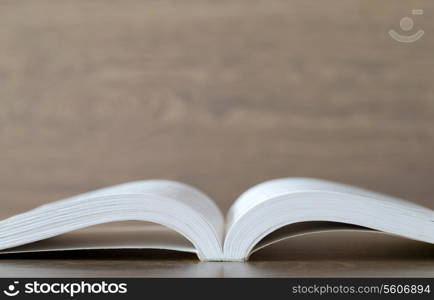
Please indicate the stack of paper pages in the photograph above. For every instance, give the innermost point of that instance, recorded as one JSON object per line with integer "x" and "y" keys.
{"x": 264, "y": 214}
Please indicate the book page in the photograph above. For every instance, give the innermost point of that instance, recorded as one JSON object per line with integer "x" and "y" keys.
{"x": 177, "y": 206}
{"x": 275, "y": 204}
{"x": 124, "y": 235}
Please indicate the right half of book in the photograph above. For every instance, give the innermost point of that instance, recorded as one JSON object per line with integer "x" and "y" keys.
{"x": 289, "y": 207}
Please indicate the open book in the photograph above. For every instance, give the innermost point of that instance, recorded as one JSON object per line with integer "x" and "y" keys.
{"x": 264, "y": 214}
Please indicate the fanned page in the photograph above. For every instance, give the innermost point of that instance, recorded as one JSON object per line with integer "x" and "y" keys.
{"x": 175, "y": 205}
{"x": 265, "y": 214}
{"x": 282, "y": 208}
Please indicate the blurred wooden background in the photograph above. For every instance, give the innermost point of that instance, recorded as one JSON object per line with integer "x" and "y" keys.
{"x": 218, "y": 94}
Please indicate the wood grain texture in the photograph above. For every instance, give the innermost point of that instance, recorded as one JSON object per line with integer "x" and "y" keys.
{"x": 218, "y": 94}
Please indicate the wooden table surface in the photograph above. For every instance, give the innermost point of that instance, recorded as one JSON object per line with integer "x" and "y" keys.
{"x": 221, "y": 95}
{"x": 319, "y": 255}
